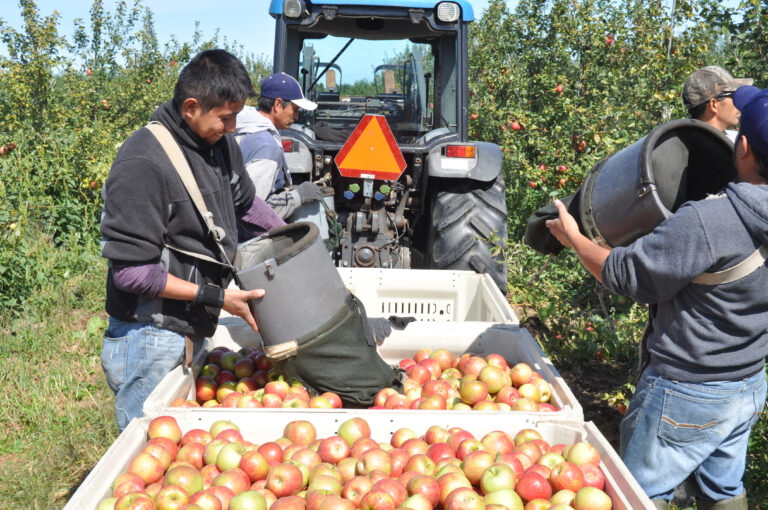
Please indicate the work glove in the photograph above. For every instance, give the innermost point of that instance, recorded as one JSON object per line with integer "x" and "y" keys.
{"x": 309, "y": 192}
{"x": 382, "y": 327}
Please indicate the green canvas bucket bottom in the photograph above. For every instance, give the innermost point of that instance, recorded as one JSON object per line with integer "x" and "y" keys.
{"x": 341, "y": 356}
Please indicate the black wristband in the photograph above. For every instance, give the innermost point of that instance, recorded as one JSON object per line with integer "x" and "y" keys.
{"x": 209, "y": 295}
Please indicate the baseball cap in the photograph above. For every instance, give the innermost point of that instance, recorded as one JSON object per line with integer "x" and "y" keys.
{"x": 709, "y": 82}
{"x": 285, "y": 87}
{"x": 753, "y": 105}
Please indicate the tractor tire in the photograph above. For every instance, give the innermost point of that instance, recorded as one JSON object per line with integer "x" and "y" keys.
{"x": 464, "y": 215}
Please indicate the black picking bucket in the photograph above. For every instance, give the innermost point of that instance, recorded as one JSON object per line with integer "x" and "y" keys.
{"x": 627, "y": 195}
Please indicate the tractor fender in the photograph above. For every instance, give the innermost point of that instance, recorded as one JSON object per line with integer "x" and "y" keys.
{"x": 484, "y": 167}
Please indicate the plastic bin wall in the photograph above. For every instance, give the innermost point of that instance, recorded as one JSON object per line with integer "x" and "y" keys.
{"x": 261, "y": 427}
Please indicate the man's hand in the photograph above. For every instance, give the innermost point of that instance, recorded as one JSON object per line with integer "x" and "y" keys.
{"x": 236, "y": 303}
{"x": 565, "y": 227}
{"x": 309, "y": 192}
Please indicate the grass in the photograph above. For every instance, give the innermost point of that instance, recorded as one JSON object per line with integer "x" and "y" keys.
{"x": 58, "y": 414}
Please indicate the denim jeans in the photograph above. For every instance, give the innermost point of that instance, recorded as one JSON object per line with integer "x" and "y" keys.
{"x": 135, "y": 357}
{"x": 672, "y": 429}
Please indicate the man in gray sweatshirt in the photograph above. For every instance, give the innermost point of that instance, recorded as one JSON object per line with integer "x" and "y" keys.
{"x": 257, "y": 133}
{"x": 704, "y": 269}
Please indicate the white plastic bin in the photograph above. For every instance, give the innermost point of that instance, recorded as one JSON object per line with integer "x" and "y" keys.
{"x": 260, "y": 427}
{"x": 512, "y": 342}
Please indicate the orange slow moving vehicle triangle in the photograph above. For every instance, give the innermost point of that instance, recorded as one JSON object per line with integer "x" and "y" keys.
{"x": 371, "y": 152}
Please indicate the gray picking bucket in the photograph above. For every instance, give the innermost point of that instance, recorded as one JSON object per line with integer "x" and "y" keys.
{"x": 627, "y": 195}
{"x": 303, "y": 289}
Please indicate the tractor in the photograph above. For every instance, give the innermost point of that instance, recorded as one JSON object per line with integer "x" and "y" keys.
{"x": 390, "y": 134}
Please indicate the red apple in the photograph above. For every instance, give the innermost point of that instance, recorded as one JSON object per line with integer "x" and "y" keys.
{"x": 171, "y": 497}
{"x": 533, "y": 486}
{"x": 289, "y": 503}
{"x": 285, "y": 479}
{"x": 475, "y": 463}
{"x": 497, "y": 442}
{"x": 356, "y": 488}
{"x": 495, "y": 378}
{"x": 209, "y": 473}
{"x": 451, "y": 481}
{"x": 148, "y": 467}
{"x": 306, "y": 456}
{"x": 375, "y": 459}
{"x": 186, "y": 477}
{"x": 443, "y": 357}
{"x": 401, "y": 435}
{"x": 255, "y": 465}
{"x": 135, "y": 501}
{"x": 393, "y": 487}
{"x": 566, "y": 475}
{"x": 583, "y": 453}
{"x": 473, "y": 365}
{"x": 497, "y": 477}
{"x": 377, "y": 500}
{"x": 506, "y": 498}
{"x": 398, "y": 458}
{"x": 248, "y": 500}
{"x": 563, "y": 497}
{"x": 593, "y": 476}
{"x": 332, "y": 449}
{"x": 272, "y": 452}
{"x": 205, "y": 500}
{"x": 473, "y": 392}
{"x": 425, "y": 485}
{"x": 415, "y": 445}
{"x": 234, "y": 479}
{"x": 520, "y": 374}
{"x": 464, "y": 498}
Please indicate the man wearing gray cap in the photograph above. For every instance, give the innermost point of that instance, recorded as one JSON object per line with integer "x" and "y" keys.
{"x": 707, "y": 95}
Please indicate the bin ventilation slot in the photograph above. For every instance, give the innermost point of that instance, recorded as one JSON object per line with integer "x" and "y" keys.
{"x": 434, "y": 310}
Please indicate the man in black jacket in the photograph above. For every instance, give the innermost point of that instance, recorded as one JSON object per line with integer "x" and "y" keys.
{"x": 167, "y": 277}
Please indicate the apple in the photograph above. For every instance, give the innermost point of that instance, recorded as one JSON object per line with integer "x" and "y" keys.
{"x": 464, "y": 498}
{"x": 426, "y": 486}
{"x": 532, "y": 485}
{"x": 475, "y": 463}
{"x": 244, "y": 367}
{"x": 229, "y": 456}
{"x": 415, "y": 445}
{"x": 224, "y": 389}
{"x": 566, "y": 475}
{"x": 538, "y": 504}
{"x": 353, "y": 429}
{"x": 212, "y": 450}
{"x": 254, "y": 465}
{"x": 129, "y": 485}
{"x": 348, "y": 468}
{"x": 395, "y": 489}
{"x": 559, "y": 89}
{"x": 147, "y": 466}
{"x": 375, "y": 459}
{"x": 530, "y": 391}
{"x": 550, "y": 459}
{"x": 272, "y": 452}
{"x": 248, "y": 500}
{"x": 234, "y": 479}
{"x": 171, "y": 497}
{"x": 127, "y": 476}
{"x": 196, "y": 436}
{"x": 398, "y": 459}
{"x": 420, "y": 463}
{"x": 135, "y": 501}
{"x": 165, "y": 426}
{"x": 355, "y": 488}
{"x": 520, "y": 374}
{"x": 419, "y": 373}
{"x": 545, "y": 390}
{"x": 382, "y": 395}
{"x": 209, "y": 473}
{"x": 494, "y": 378}
{"x": 362, "y": 445}
{"x": 451, "y": 481}
{"x": 507, "y": 498}
{"x": 592, "y": 498}
{"x": 422, "y": 354}
{"x": 583, "y": 453}
{"x": 285, "y": 479}
{"x": 439, "y": 451}
{"x": 593, "y": 476}
{"x": 109, "y": 504}
{"x": 279, "y": 388}
{"x": 334, "y": 398}
{"x": 497, "y": 477}
{"x": 468, "y": 445}
{"x": 473, "y": 366}
{"x": 327, "y": 483}
{"x": 377, "y": 500}
{"x": 417, "y": 502}
{"x": 401, "y": 435}
{"x": 332, "y": 449}
{"x": 334, "y": 502}
{"x": 497, "y": 442}
{"x": 473, "y": 392}
{"x": 563, "y": 497}
{"x": 186, "y": 477}
{"x": 526, "y": 405}
{"x": 289, "y": 503}
{"x": 397, "y": 401}
{"x": 219, "y": 426}
{"x": 307, "y": 456}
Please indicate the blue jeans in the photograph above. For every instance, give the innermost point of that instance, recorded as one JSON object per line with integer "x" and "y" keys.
{"x": 135, "y": 357}
{"x": 672, "y": 429}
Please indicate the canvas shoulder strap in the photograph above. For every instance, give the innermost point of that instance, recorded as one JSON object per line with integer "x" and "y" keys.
{"x": 740, "y": 270}
{"x": 180, "y": 163}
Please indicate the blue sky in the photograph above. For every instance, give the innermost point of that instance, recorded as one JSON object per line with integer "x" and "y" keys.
{"x": 244, "y": 21}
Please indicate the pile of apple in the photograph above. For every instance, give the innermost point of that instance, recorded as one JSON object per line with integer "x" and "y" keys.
{"x": 444, "y": 468}
{"x": 435, "y": 380}
{"x": 438, "y": 380}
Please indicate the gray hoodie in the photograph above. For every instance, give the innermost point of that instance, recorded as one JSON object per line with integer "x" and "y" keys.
{"x": 264, "y": 160}
{"x": 701, "y": 332}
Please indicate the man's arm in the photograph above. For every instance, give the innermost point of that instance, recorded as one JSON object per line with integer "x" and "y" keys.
{"x": 567, "y": 232}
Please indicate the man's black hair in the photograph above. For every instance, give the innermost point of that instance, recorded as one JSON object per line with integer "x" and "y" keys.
{"x": 213, "y": 77}
{"x": 697, "y": 111}
{"x": 266, "y": 104}
{"x": 762, "y": 159}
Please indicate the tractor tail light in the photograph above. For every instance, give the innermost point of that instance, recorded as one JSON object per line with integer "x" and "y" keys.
{"x": 287, "y": 145}
{"x": 460, "y": 151}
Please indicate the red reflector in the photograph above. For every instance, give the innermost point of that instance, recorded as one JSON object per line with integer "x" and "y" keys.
{"x": 460, "y": 151}
{"x": 287, "y": 145}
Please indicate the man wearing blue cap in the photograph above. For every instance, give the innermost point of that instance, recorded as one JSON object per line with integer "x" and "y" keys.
{"x": 259, "y": 138}
{"x": 705, "y": 269}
